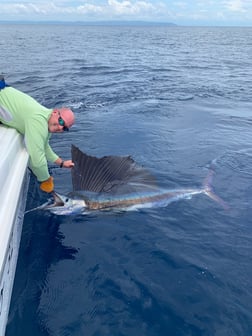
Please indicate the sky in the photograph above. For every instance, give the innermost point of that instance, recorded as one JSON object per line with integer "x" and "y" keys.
{"x": 180, "y": 12}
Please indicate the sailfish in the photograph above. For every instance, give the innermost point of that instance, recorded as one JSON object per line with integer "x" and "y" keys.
{"x": 117, "y": 183}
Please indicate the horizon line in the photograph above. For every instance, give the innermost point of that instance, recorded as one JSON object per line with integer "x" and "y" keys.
{"x": 118, "y": 22}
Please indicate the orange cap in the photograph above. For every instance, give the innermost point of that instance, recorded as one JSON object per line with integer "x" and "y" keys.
{"x": 67, "y": 115}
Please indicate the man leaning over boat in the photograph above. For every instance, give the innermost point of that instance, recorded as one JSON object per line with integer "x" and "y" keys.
{"x": 36, "y": 122}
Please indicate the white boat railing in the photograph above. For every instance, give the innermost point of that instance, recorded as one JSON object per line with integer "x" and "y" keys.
{"x": 14, "y": 180}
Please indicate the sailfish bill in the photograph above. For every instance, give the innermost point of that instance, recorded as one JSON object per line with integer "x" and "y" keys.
{"x": 118, "y": 183}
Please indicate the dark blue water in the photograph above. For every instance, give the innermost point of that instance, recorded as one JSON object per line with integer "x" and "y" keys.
{"x": 174, "y": 99}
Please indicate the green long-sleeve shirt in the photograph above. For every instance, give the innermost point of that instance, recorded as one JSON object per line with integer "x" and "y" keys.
{"x": 20, "y": 111}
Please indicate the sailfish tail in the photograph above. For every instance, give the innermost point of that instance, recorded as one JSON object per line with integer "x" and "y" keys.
{"x": 208, "y": 190}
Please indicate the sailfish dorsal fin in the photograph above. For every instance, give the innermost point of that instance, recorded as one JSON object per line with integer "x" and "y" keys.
{"x": 108, "y": 174}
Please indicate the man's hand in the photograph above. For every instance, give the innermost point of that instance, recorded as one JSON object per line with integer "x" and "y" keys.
{"x": 48, "y": 185}
{"x": 67, "y": 164}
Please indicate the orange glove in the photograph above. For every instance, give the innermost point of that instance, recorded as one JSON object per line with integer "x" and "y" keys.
{"x": 48, "y": 185}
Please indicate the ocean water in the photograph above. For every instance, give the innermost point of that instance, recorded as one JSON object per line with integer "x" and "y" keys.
{"x": 176, "y": 99}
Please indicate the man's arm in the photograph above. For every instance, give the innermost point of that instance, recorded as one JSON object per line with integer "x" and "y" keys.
{"x": 35, "y": 140}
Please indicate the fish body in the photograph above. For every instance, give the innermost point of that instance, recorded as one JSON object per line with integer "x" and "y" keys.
{"x": 114, "y": 183}
{"x": 82, "y": 203}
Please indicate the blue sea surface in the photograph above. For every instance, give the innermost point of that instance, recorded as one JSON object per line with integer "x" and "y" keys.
{"x": 177, "y": 99}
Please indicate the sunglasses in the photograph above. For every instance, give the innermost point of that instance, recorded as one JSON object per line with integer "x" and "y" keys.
{"x": 62, "y": 123}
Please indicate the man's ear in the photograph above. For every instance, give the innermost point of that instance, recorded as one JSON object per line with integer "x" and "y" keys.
{"x": 55, "y": 111}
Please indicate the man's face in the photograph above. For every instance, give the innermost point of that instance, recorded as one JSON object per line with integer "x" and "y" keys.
{"x": 56, "y": 123}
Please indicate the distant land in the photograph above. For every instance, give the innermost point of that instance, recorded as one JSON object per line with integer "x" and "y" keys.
{"x": 94, "y": 23}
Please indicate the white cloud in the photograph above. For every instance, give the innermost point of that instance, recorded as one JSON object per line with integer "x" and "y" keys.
{"x": 128, "y": 7}
{"x": 45, "y": 8}
{"x": 89, "y": 8}
{"x": 111, "y": 8}
{"x": 235, "y": 6}
{"x": 51, "y": 7}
